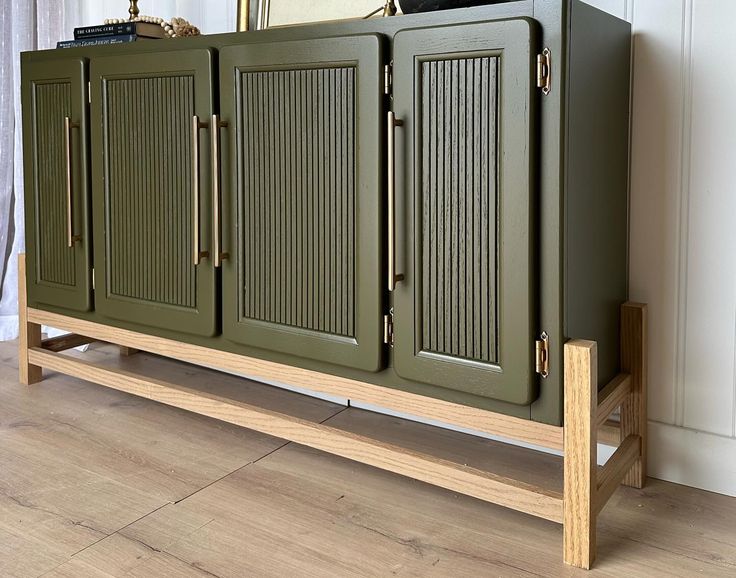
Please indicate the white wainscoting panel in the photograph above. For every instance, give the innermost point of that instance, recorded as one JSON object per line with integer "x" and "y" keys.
{"x": 683, "y": 235}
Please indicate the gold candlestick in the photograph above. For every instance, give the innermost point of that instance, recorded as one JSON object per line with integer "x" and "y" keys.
{"x": 133, "y": 10}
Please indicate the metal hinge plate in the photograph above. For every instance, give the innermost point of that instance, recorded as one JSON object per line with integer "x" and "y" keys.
{"x": 544, "y": 71}
{"x": 89, "y": 92}
{"x": 542, "y": 355}
{"x": 388, "y": 328}
{"x": 93, "y": 278}
{"x": 387, "y": 78}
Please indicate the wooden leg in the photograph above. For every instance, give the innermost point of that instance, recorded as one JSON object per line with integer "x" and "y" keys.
{"x": 581, "y": 469}
{"x": 30, "y": 333}
{"x": 634, "y": 362}
{"x": 128, "y": 351}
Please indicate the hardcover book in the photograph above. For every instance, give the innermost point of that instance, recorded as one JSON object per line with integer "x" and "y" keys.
{"x": 146, "y": 29}
{"x": 119, "y": 39}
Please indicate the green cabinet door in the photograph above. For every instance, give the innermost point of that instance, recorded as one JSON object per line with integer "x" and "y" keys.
{"x": 57, "y": 183}
{"x": 150, "y": 167}
{"x": 303, "y": 219}
{"x": 464, "y": 312}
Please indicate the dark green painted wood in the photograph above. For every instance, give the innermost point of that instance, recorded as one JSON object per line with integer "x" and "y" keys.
{"x": 56, "y": 274}
{"x": 558, "y": 33}
{"x": 464, "y": 314}
{"x": 458, "y": 198}
{"x": 596, "y": 203}
{"x": 143, "y": 197}
{"x": 305, "y": 198}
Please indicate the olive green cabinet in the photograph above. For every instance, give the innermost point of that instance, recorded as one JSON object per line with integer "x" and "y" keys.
{"x": 304, "y": 225}
{"x": 56, "y": 167}
{"x": 149, "y": 120}
{"x": 431, "y": 203}
{"x": 464, "y": 307}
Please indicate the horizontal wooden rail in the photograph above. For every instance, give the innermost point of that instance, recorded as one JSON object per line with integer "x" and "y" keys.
{"x": 617, "y": 466}
{"x": 480, "y": 484}
{"x": 612, "y": 396}
{"x": 480, "y": 420}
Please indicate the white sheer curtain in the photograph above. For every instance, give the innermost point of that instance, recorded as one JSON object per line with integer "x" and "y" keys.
{"x": 39, "y": 24}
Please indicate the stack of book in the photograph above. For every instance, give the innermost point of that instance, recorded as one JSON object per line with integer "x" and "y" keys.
{"x": 113, "y": 34}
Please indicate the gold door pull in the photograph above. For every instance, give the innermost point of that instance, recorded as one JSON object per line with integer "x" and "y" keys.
{"x": 196, "y": 253}
{"x": 215, "y": 127}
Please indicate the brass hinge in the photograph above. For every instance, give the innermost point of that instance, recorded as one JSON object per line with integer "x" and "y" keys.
{"x": 544, "y": 71}
{"x": 542, "y": 356}
{"x": 388, "y": 328}
{"x": 387, "y": 78}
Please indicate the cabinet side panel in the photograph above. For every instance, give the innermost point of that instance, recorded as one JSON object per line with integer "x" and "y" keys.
{"x": 596, "y": 195}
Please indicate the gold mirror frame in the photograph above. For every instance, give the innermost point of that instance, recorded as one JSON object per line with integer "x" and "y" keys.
{"x": 254, "y": 14}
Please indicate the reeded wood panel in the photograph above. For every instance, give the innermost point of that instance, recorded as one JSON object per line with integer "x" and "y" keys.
{"x": 305, "y": 197}
{"x": 464, "y": 315}
{"x": 298, "y": 205}
{"x": 459, "y": 197}
{"x": 147, "y": 131}
{"x": 55, "y": 260}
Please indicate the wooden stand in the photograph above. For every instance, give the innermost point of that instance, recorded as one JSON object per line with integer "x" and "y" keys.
{"x": 586, "y": 490}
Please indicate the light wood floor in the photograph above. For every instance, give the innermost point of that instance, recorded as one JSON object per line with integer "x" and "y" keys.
{"x": 94, "y": 482}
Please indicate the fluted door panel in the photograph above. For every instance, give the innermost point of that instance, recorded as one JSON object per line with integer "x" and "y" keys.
{"x": 298, "y": 206}
{"x": 145, "y": 193}
{"x": 56, "y": 184}
{"x": 459, "y": 207}
{"x": 305, "y": 198}
{"x": 464, "y": 313}
{"x": 149, "y": 189}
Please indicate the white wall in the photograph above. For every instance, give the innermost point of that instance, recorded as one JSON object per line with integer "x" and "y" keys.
{"x": 683, "y": 207}
{"x": 683, "y": 232}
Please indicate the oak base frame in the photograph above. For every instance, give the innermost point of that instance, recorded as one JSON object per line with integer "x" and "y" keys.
{"x": 587, "y": 487}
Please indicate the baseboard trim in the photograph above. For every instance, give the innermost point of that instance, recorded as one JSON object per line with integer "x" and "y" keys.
{"x": 692, "y": 458}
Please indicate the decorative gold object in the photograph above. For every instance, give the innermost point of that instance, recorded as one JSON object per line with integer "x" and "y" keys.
{"x": 133, "y": 10}
{"x": 389, "y": 9}
{"x": 243, "y": 15}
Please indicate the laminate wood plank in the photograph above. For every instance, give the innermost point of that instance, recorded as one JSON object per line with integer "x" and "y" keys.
{"x": 580, "y": 464}
{"x": 612, "y": 396}
{"x": 634, "y": 355}
{"x": 80, "y": 461}
{"x": 540, "y": 469}
{"x": 29, "y": 332}
{"x": 299, "y": 511}
{"x": 615, "y": 469}
{"x": 485, "y": 485}
{"x": 539, "y": 434}
{"x": 334, "y": 520}
{"x": 277, "y": 517}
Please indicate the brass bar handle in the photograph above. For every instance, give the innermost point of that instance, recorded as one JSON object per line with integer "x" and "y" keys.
{"x": 71, "y": 238}
{"x": 393, "y": 276}
{"x": 215, "y": 126}
{"x": 198, "y": 254}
